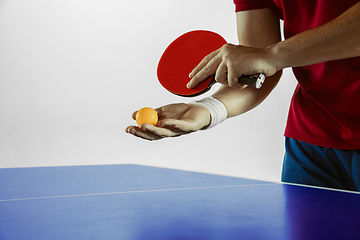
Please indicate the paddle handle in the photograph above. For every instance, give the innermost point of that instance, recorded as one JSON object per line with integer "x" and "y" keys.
{"x": 255, "y": 81}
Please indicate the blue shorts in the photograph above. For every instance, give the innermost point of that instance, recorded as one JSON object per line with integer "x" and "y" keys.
{"x": 320, "y": 166}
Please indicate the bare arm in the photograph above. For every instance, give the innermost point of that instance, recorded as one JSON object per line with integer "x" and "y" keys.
{"x": 338, "y": 39}
{"x": 181, "y": 119}
{"x": 251, "y": 25}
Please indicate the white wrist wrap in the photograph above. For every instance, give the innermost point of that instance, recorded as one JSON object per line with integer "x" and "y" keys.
{"x": 216, "y": 109}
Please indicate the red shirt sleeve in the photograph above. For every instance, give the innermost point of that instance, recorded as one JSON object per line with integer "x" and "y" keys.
{"x": 243, "y": 5}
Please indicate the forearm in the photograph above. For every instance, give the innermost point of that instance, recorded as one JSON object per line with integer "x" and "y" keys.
{"x": 239, "y": 101}
{"x": 338, "y": 39}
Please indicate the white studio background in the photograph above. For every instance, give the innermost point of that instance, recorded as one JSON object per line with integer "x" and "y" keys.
{"x": 73, "y": 71}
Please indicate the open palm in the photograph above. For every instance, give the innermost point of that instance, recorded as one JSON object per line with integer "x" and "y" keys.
{"x": 174, "y": 120}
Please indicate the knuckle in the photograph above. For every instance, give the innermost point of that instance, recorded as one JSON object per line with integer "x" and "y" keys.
{"x": 205, "y": 60}
{"x": 232, "y": 84}
{"x": 227, "y": 51}
{"x": 220, "y": 79}
{"x": 227, "y": 47}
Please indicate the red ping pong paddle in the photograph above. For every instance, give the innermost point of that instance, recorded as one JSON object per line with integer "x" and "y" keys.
{"x": 185, "y": 53}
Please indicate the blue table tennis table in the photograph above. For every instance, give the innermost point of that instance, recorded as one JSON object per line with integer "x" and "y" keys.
{"x": 133, "y": 202}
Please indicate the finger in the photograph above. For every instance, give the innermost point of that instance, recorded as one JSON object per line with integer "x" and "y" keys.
{"x": 203, "y": 63}
{"x": 233, "y": 79}
{"x": 181, "y": 126}
{"x": 142, "y": 133}
{"x": 150, "y": 132}
{"x": 134, "y": 115}
{"x": 208, "y": 70}
{"x": 221, "y": 74}
{"x": 163, "y": 131}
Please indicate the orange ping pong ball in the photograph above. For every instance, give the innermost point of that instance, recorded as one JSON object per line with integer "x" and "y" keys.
{"x": 146, "y": 115}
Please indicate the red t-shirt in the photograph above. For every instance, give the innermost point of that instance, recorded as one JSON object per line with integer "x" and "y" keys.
{"x": 325, "y": 107}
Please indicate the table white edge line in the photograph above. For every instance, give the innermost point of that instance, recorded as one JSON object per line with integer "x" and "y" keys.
{"x": 139, "y": 191}
{"x": 323, "y": 188}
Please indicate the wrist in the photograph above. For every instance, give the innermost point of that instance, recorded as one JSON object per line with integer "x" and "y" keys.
{"x": 217, "y": 110}
{"x": 277, "y": 56}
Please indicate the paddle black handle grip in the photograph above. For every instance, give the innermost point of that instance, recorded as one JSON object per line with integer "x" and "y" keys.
{"x": 255, "y": 81}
